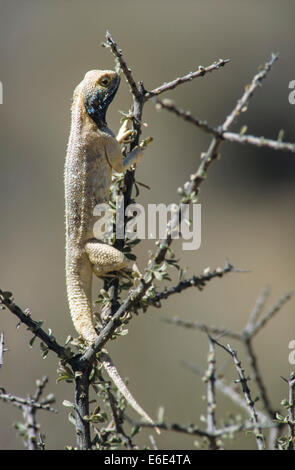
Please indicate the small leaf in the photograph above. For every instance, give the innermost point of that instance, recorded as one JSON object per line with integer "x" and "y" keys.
{"x": 32, "y": 340}
{"x": 68, "y": 403}
{"x": 131, "y": 256}
{"x": 72, "y": 418}
{"x": 63, "y": 377}
{"x": 68, "y": 340}
{"x": 161, "y": 411}
{"x": 279, "y": 417}
{"x": 134, "y": 431}
{"x": 158, "y": 276}
{"x": 281, "y": 135}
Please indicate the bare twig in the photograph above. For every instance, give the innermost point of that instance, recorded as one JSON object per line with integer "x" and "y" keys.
{"x": 291, "y": 405}
{"x": 195, "y": 431}
{"x": 259, "y": 141}
{"x": 186, "y": 78}
{"x": 269, "y": 315}
{"x": 41, "y": 384}
{"x": 249, "y": 90}
{"x": 187, "y": 116}
{"x": 223, "y": 135}
{"x": 123, "y": 65}
{"x": 20, "y": 402}
{"x": 259, "y": 304}
{"x": 213, "y": 330}
{"x": 153, "y": 442}
{"x": 209, "y": 378}
{"x": 2, "y": 348}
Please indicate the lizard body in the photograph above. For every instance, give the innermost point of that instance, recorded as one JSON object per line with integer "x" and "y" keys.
{"x": 92, "y": 153}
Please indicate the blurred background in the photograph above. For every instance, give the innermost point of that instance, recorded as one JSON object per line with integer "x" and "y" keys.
{"x": 247, "y": 200}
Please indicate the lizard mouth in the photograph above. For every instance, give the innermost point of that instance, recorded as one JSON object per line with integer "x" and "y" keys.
{"x": 116, "y": 83}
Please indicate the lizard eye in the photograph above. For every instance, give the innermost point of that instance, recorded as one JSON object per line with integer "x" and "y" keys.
{"x": 105, "y": 81}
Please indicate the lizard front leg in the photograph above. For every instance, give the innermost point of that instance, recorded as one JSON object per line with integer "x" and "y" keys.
{"x": 124, "y": 136}
{"x": 125, "y": 132}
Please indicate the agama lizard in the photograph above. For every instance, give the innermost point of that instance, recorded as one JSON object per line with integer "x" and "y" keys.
{"x": 93, "y": 152}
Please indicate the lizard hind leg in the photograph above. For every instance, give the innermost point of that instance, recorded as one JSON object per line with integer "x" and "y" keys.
{"x": 104, "y": 258}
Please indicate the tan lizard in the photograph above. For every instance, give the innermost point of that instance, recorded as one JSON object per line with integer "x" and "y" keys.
{"x": 92, "y": 153}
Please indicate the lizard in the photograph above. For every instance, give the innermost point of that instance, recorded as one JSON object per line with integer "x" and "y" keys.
{"x": 93, "y": 152}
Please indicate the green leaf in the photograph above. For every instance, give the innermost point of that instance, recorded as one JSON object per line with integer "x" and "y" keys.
{"x": 161, "y": 411}
{"x": 279, "y": 417}
{"x": 21, "y": 427}
{"x": 123, "y": 332}
{"x": 72, "y": 418}
{"x": 68, "y": 403}
{"x": 68, "y": 340}
{"x": 131, "y": 256}
{"x": 32, "y": 340}
{"x": 158, "y": 275}
{"x": 44, "y": 349}
{"x": 134, "y": 431}
{"x": 135, "y": 242}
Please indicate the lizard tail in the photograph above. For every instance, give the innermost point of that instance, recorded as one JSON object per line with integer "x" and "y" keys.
{"x": 79, "y": 297}
{"x": 114, "y": 375}
{"x": 79, "y": 293}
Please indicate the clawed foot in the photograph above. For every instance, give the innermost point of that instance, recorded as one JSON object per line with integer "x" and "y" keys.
{"x": 126, "y": 134}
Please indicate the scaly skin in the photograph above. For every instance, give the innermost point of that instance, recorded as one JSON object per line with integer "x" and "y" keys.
{"x": 92, "y": 153}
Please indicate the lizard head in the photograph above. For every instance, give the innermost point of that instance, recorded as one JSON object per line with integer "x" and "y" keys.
{"x": 99, "y": 88}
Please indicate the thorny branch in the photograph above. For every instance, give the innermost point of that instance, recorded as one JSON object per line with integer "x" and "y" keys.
{"x": 117, "y": 417}
{"x": 6, "y": 301}
{"x": 229, "y": 391}
{"x": 254, "y": 324}
{"x": 186, "y": 78}
{"x": 195, "y": 281}
{"x": 246, "y": 335}
{"x": 209, "y": 378}
{"x": 291, "y": 404}
{"x": 2, "y": 348}
{"x": 192, "y": 430}
{"x": 223, "y": 135}
{"x": 250, "y": 403}
{"x": 29, "y": 406}
{"x": 21, "y": 402}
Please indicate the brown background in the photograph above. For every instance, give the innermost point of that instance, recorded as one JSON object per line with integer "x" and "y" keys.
{"x": 247, "y": 201}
